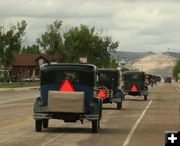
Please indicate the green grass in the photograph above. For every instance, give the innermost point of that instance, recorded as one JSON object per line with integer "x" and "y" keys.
{"x": 18, "y": 84}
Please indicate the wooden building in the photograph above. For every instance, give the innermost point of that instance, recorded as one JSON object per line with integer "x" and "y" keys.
{"x": 27, "y": 65}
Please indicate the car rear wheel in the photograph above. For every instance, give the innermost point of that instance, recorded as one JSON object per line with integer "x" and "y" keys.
{"x": 145, "y": 97}
{"x": 95, "y": 126}
{"x": 38, "y": 125}
{"x": 45, "y": 123}
{"x": 119, "y": 105}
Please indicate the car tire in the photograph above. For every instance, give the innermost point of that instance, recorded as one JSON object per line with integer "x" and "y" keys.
{"x": 38, "y": 125}
{"x": 145, "y": 97}
{"x": 95, "y": 126}
{"x": 45, "y": 123}
{"x": 119, "y": 105}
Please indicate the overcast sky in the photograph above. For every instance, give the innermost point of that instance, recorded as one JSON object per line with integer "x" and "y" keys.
{"x": 139, "y": 25}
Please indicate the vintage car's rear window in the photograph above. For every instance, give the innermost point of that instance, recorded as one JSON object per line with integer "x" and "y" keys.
{"x": 76, "y": 77}
{"x": 108, "y": 79}
{"x": 134, "y": 77}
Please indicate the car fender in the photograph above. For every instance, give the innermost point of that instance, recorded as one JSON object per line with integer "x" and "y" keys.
{"x": 119, "y": 94}
{"x": 145, "y": 91}
{"x": 96, "y": 106}
{"x": 37, "y": 107}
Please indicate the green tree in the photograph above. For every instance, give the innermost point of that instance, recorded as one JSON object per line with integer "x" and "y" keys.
{"x": 86, "y": 42}
{"x": 113, "y": 64}
{"x": 123, "y": 69}
{"x": 10, "y": 43}
{"x": 51, "y": 41}
{"x": 31, "y": 49}
{"x": 176, "y": 70}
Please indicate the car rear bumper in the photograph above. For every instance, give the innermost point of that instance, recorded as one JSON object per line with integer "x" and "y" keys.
{"x": 63, "y": 116}
{"x": 139, "y": 93}
{"x": 39, "y": 116}
{"x": 111, "y": 100}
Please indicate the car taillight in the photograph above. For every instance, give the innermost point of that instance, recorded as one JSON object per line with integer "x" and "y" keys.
{"x": 101, "y": 94}
{"x": 134, "y": 88}
{"x": 66, "y": 86}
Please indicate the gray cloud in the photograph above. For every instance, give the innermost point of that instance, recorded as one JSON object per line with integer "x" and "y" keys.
{"x": 140, "y": 25}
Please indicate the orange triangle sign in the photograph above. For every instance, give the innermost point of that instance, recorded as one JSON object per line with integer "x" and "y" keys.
{"x": 134, "y": 88}
{"x": 66, "y": 86}
{"x": 101, "y": 94}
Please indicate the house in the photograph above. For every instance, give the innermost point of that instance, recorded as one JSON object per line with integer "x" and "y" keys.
{"x": 27, "y": 65}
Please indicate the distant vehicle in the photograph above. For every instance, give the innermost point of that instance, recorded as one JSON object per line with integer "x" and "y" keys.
{"x": 148, "y": 79}
{"x": 109, "y": 86}
{"x": 158, "y": 78}
{"x": 134, "y": 84}
{"x": 67, "y": 93}
{"x": 152, "y": 79}
{"x": 123, "y": 62}
{"x": 167, "y": 79}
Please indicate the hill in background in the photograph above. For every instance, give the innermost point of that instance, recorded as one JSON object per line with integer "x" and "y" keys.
{"x": 130, "y": 56}
{"x": 150, "y": 62}
{"x": 160, "y": 64}
{"x": 173, "y": 54}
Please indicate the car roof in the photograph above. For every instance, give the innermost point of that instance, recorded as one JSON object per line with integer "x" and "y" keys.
{"x": 108, "y": 69}
{"x": 134, "y": 72}
{"x": 67, "y": 66}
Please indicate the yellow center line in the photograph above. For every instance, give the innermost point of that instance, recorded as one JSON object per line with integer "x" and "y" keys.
{"x": 28, "y": 118}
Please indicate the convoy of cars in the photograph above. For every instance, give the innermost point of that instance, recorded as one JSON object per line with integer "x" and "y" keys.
{"x": 152, "y": 79}
{"x": 72, "y": 92}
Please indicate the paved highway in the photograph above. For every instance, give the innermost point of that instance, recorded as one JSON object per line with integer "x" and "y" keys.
{"x": 140, "y": 123}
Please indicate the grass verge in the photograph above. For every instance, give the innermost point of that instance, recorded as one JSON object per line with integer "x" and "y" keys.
{"x": 18, "y": 84}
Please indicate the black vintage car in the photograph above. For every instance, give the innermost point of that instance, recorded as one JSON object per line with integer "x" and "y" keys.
{"x": 158, "y": 78}
{"x": 67, "y": 93}
{"x": 149, "y": 79}
{"x": 168, "y": 79}
{"x": 134, "y": 84}
{"x": 154, "y": 79}
{"x": 109, "y": 86}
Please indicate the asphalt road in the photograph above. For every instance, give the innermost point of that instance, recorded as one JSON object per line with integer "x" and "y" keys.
{"x": 140, "y": 123}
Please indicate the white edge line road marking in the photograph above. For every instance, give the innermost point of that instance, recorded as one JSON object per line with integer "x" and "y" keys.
{"x": 126, "y": 142}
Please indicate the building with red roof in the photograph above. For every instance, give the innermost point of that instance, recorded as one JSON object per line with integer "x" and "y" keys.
{"x": 27, "y": 65}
